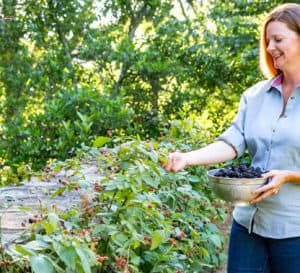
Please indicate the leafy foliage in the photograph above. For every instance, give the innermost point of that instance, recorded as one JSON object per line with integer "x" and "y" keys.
{"x": 69, "y": 120}
{"x": 139, "y": 218}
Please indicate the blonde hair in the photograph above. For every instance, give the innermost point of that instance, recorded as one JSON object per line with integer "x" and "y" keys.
{"x": 288, "y": 14}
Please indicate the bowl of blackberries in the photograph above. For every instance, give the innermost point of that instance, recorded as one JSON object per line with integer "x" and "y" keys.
{"x": 235, "y": 183}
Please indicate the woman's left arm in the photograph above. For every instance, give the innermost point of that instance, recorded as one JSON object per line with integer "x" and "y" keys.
{"x": 277, "y": 179}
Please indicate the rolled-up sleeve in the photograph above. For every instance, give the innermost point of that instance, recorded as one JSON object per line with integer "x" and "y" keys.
{"x": 234, "y": 135}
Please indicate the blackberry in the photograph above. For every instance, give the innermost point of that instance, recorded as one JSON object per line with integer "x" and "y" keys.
{"x": 239, "y": 171}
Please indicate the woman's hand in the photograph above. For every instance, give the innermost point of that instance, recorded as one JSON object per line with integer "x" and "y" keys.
{"x": 277, "y": 179}
{"x": 176, "y": 162}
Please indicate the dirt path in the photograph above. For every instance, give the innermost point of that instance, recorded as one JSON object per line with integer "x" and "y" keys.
{"x": 19, "y": 203}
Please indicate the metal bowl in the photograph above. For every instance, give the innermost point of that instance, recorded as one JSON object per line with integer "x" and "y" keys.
{"x": 234, "y": 190}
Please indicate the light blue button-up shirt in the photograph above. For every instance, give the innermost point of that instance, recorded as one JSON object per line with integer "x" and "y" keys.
{"x": 273, "y": 140}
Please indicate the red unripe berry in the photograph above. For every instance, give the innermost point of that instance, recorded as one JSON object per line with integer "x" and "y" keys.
{"x": 171, "y": 240}
{"x": 147, "y": 238}
{"x": 100, "y": 259}
{"x": 181, "y": 234}
{"x": 108, "y": 132}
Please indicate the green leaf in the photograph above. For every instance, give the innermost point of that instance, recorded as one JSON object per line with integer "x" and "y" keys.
{"x": 194, "y": 178}
{"x": 204, "y": 251}
{"x": 40, "y": 264}
{"x": 23, "y": 250}
{"x": 53, "y": 220}
{"x": 37, "y": 245}
{"x": 58, "y": 192}
{"x": 57, "y": 168}
{"x": 216, "y": 240}
{"x": 68, "y": 256}
{"x": 120, "y": 239}
{"x": 84, "y": 258}
{"x": 154, "y": 157}
{"x": 48, "y": 227}
{"x": 163, "y": 159}
{"x": 157, "y": 238}
{"x": 150, "y": 181}
{"x": 100, "y": 141}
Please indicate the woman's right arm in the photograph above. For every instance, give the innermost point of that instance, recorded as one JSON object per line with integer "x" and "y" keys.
{"x": 216, "y": 152}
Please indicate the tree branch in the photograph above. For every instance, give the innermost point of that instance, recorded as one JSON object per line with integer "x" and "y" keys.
{"x": 135, "y": 21}
{"x": 64, "y": 42}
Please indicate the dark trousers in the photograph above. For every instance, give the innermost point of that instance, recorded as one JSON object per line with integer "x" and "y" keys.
{"x": 251, "y": 253}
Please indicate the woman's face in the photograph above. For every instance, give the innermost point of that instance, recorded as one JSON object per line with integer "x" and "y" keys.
{"x": 283, "y": 45}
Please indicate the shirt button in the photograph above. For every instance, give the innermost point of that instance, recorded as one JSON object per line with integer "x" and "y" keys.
{"x": 292, "y": 98}
{"x": 274, "y": 130}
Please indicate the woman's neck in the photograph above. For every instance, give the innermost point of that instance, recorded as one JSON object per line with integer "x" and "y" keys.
{"x": 291, "y": 80}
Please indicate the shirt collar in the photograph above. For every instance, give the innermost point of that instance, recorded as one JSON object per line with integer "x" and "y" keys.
{"x": 275, "y": 83}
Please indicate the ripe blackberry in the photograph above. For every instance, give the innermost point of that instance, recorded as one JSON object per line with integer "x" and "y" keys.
{"x": 239, "y": 171}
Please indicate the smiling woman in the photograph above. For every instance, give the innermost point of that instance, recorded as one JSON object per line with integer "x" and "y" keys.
{"x": 288, "y": 21}
{"x": 265, "y": 236}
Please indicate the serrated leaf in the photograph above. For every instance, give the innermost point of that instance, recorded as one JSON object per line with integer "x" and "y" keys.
{"x": 40, "y": 264}
{"x": 48, "y": 227}
{"x": 37, "y": 245}
{"x": 120, "y": 239}
{"x": 58, "y": 192}
{"x": 157, "y": 238}
{"x": 204, "y": 251}
{"x": 154, "y": 157}
{"x": 216, "y": 240}
{"x": 100, "y": 141}
{"x": 163, "y": 159}
{"x": 194, "y": 179}
{"x": 23, "y": 250}
{"x": 57, "y": 168}
{"x": 84, "y": 258}
{"x": 53, "y": 220}
{"x": 150, "y": 181}
{"x": 68, "y": 256}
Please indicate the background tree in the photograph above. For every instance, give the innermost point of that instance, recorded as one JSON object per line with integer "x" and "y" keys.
{"x": 74, "y": 70}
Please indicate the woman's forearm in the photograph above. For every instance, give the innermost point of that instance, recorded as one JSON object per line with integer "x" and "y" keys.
{"x": 216, "y": 152}
{"x": 291, "y": 176}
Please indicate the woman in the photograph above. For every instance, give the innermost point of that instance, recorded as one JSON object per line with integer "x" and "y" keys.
{"x": 265, "y": 236}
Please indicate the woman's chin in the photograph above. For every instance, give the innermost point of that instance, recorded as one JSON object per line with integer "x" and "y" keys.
{"x": 278, "y": 66}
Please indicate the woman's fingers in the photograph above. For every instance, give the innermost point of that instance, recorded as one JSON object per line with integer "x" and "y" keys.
{"x": 264, "y": 192}
{"x": 264, "y": 195}
{"x": 175, "y": 162}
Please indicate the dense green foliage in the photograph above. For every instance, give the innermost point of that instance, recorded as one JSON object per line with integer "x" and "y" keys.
{"x": 70, "y": 71}
{"x": 135, "y": 217}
